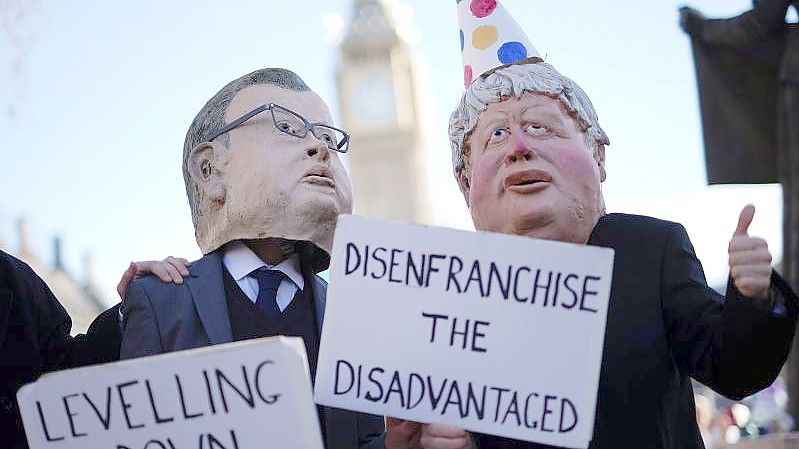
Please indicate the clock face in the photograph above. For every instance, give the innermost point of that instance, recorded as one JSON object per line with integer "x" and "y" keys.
{"x": 373, "y": 99}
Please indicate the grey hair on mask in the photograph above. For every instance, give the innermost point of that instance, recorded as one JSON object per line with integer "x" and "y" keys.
{"x": 513, "y": 81}
{"x": 212, "y": 117}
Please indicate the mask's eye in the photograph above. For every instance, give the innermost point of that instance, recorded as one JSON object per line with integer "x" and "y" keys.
{"x": 328, "y": 139}
{"x": 535, "y": 129}
{"x": 499, "y": 134}
{"x": 288, "y": 128}
{"x": 288, "y": 122}
{"x": 326, "y": 135}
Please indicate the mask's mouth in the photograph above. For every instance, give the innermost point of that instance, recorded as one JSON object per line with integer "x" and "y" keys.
{"x": 527, "y": 180}
{"x": 321, "y": 176}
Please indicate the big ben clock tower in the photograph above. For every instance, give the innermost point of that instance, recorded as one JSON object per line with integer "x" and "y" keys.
{"x": 380, "y": 102}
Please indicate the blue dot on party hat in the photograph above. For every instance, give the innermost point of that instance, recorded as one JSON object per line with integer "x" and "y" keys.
{"x": 511, "y": 52}
{"x": 461, "y": 40}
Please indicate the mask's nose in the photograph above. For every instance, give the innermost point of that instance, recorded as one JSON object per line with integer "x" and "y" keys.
{"x": 520, "y": 150}
{"x": 319, "y": 150}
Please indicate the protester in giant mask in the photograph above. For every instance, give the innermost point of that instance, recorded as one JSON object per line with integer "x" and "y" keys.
{"x": 529, "y": 156}
{"x": 265, "y": 186}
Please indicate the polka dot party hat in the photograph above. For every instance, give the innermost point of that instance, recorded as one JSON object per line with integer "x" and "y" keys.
{"x": 490, "y": 39}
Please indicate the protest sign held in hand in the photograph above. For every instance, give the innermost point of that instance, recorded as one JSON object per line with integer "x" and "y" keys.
{"x": 241, "y": 395}
{"x": 493, "y": 333}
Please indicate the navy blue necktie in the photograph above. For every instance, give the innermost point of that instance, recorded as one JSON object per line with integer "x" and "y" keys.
{"x": 268, "y": 283}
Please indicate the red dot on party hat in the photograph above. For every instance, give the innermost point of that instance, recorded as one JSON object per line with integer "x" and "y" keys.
{"x": 467, "y": 75}
{"x": 483, "y": 8}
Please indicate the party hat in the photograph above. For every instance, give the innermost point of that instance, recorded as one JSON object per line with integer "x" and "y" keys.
{"x": 490, "y": 39}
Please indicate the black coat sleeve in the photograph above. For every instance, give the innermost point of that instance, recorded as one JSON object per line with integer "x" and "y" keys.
{"x": 50, "y": 330}
{"x": 730, "y": 344}
{"x": 756, "y": 342}
{"x": 35, "y": 339}
{"x": 102, "y": 340}
{"x": 35, "y": 329}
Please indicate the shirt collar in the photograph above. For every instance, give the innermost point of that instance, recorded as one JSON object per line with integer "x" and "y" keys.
{"x": 240, "y": 261}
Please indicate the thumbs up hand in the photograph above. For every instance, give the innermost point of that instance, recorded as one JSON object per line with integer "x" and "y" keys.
{"x": 750, "y": 259}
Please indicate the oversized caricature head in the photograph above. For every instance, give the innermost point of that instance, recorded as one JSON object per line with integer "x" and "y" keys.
{"x": 529, "y": 155}
{"x": 268, "y": 174}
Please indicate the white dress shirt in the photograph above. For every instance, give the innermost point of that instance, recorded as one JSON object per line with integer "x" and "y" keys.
{"x": 240, "y": 261}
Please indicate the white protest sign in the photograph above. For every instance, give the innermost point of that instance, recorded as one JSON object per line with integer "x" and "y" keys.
{"x": 493, "y": 333}
{"x": 246, "y": 395}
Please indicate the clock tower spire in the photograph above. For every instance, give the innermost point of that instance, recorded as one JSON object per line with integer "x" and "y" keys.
{"x": 381, "y": 104}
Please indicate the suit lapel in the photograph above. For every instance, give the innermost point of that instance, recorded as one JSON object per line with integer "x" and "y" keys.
{"x": 320, "y": 299}
{"x": 207, "y": 288}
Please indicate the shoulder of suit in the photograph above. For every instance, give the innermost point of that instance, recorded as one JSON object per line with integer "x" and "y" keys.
{"x": 638, "y": 227}
{"x": 151, "y": 283}
{"x": 637, "y": 221}
{"x": 18, "y": 275}
{"x": 10, "y": 265}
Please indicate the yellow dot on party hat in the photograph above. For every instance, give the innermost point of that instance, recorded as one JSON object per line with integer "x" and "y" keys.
{"x": 484, "y": 36}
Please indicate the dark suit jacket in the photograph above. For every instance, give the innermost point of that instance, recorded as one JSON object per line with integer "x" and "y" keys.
{"x": 162, "y": 317}
{"x": 665, "y": 325}
{"x": 34, "y": 339}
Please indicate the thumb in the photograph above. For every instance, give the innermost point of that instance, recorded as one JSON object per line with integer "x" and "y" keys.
{"x": 127, "y": 278}
{"x": 744, "y": 220}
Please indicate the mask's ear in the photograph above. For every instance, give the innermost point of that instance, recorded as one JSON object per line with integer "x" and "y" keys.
{"x": 204, "y": 169}
{"x": 599, "y": 157}
{"x": 463, "y": 182}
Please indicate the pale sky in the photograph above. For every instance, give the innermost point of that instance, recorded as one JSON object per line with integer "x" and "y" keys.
{"x": 96, "y": 97}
